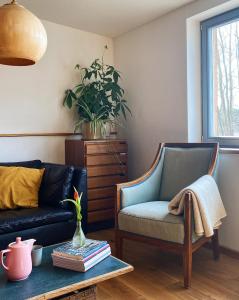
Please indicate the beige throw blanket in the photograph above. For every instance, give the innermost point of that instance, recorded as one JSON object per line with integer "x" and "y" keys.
{"x": 207, "y": 205}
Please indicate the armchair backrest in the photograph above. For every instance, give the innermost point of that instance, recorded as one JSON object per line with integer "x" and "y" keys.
{"x": 175, "y": 167}
{"x": 183, "y": 164}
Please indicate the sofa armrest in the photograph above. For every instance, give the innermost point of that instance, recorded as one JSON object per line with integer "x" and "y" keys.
{"x": 144, "y": 189}
{"x": 76, "y": 177}
{"x": 56, "y": 184}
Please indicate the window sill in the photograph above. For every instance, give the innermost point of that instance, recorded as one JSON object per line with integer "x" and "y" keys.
{"x": 229, "y": 150}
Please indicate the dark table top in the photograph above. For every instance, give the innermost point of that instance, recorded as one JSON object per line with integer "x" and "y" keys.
{"x": 47, "y": 282}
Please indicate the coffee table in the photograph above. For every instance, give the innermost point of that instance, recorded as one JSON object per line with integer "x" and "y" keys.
{"x": 48, "y": 282}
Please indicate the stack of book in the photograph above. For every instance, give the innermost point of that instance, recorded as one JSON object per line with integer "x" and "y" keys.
{"x": 83, "y": 258}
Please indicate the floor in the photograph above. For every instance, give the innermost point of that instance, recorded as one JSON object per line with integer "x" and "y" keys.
{"x": 159, "y": 276}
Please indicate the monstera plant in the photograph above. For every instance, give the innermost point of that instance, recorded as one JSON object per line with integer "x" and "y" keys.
{"x": 98, "y": 98}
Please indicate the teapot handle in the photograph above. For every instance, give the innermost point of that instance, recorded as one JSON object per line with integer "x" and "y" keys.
{"x": 2, "y": 254}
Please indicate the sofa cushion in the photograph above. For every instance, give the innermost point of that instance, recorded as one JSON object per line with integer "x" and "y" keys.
{"x": 36, "y": 164}
{"x": 56, "y": 184}
{"x": 181, "y": 168}
{"x": 20, "y": 219}
{"x": 152, "y": 219}
{"x": 19, "y": 187}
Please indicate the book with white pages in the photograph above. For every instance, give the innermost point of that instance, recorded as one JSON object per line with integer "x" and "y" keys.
{"x": 80, "y": 266}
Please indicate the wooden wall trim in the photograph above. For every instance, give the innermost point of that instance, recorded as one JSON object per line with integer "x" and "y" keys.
{"x": 7, "y": 135}
{"x": 229, "y": 252}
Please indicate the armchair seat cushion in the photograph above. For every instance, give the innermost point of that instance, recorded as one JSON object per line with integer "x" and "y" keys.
{"x": 152, "y": 219}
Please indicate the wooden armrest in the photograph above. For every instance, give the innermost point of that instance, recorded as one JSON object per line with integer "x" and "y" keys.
{"x": 187, "y": 206}
{"x": 214, "y": 160}
{"x": 188, "y": 218}
{"x": 135, "y": 182}
{"x": 147, "y": 174}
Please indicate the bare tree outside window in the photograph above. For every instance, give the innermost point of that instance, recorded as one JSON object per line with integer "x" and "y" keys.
{"x": 225, "y": 71}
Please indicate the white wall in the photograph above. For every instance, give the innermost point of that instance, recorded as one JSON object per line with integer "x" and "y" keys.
{"x": 31, "y": 97}
{"x": 153, "y": 60}
{"x": 229, "y": 188}
{"x": 48, "y": 149}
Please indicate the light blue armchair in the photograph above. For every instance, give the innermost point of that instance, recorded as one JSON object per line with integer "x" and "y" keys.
{"x": 142, "y": 205}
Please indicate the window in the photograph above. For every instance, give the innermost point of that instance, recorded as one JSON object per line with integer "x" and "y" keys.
{"x": 220, "y": 79}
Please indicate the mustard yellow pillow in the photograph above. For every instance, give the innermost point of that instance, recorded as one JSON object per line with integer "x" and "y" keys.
{"x": 19, "y": 187}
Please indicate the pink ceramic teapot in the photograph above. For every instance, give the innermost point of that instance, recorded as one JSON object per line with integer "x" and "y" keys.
{"x": 18, "y": 263}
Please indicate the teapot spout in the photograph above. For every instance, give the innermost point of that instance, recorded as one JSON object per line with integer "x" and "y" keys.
{"x": 30, "y": 242}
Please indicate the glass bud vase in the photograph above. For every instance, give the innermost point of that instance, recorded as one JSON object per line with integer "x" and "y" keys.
{"x": 79, "y": 237}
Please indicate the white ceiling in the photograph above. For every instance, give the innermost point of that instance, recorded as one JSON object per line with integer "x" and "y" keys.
{"x": 106, "y": 17}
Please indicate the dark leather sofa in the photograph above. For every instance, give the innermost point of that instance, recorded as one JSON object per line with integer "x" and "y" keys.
{"x": 52, "y": 222}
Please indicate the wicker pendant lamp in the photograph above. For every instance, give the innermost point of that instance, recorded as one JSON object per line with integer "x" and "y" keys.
{"x": 23, "y": 38}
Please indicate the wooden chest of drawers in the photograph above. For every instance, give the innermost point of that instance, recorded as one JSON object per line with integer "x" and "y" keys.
{"x": 106, "y": 163}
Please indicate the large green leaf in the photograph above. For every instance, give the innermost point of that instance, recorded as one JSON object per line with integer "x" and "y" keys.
{"x": 68, "y": 99}
{"x": 116, "y": 76}
{"x": 79, "y": 88}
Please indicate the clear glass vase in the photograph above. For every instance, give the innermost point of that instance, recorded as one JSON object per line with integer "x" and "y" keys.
{"x": 79, "y": 237}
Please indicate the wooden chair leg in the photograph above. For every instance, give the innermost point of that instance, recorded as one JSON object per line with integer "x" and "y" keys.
{"x": 215, "y": 245}
{"x": 187, "y": 267}
{"x": 118, "y": 244}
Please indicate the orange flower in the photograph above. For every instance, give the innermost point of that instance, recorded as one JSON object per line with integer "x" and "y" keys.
{"x": 76, "y": 202}
{"x": 76, "y": 195}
